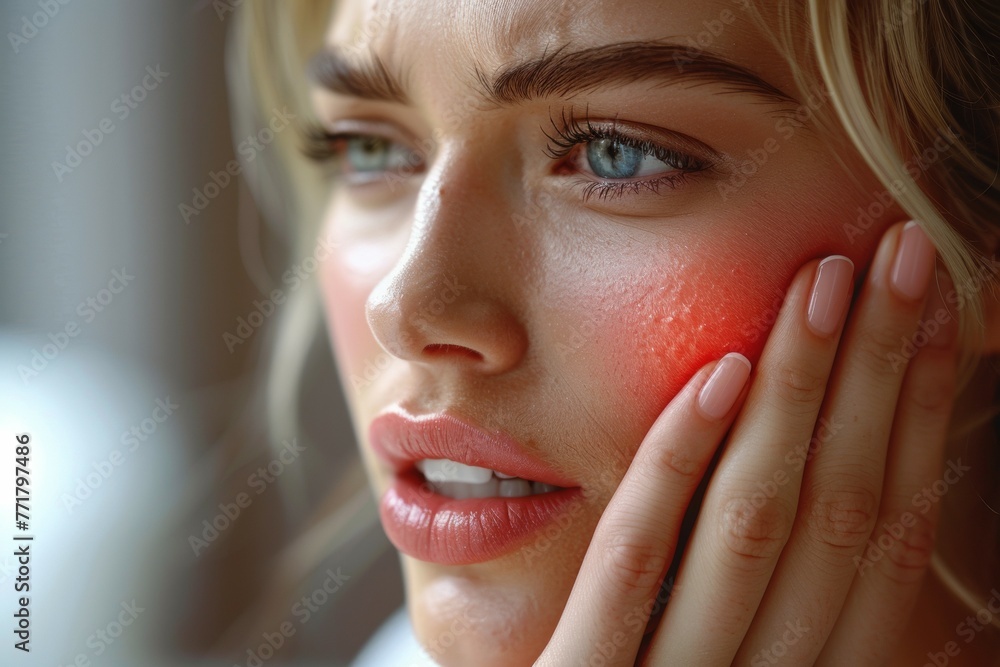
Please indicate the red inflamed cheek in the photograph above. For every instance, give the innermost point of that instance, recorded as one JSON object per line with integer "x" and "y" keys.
{"x": 670, "y": 341}
{"x": 705, "y": 310}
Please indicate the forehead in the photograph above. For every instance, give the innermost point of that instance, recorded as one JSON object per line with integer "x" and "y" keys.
{"x": 463, "y": 33}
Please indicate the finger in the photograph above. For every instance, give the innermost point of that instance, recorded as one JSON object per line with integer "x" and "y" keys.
{"x": 890, "y": 571}
{"x": 748, "y": 511}
{"x": 842, "y": 483}
{"x": 636, "y": 537}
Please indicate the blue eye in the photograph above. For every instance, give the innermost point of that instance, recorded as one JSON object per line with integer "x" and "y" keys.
{"x": 366, "y": 154}
{"x": 610, "y": 158}
{"x": 615, "y": 161}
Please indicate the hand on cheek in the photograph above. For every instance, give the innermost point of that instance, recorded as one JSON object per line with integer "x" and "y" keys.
{"x": 773, "y": 559}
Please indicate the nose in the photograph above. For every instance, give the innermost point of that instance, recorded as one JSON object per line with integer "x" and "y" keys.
{"x": 451, "y": 299}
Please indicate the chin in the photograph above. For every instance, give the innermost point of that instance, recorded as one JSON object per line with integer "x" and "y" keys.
{"x": 465, "y": 618}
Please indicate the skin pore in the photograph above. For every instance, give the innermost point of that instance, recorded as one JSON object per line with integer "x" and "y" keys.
{"x": 488, "y": 278}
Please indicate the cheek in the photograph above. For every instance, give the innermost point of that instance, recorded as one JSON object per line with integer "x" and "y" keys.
{"x": 695, "y": 309}
{"x": 708, "y": 313}
{"x": 355, "y": 268}
{"x": 344, "y": 306}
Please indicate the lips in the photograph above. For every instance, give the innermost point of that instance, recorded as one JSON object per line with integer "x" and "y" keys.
{"x": 429, "y": 526}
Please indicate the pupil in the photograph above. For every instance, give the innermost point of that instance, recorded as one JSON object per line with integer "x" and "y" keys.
{"x": 609, "y": 158}
{"x": 367, "y": 153}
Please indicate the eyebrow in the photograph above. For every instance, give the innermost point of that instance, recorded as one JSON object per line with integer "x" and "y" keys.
{"x": 559, "y": 73}
{"x": 368, "y": 78}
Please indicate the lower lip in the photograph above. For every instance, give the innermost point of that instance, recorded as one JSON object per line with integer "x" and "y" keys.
{"x": 434, "y": 528}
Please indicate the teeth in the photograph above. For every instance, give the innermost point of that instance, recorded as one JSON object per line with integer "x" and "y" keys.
{"x": 538, "y": 487}
{"x": 490, "y": 489}
{"x": 457, "y": 480}
{"x": 515, "y": 488}
{"x": 445, "y": 470}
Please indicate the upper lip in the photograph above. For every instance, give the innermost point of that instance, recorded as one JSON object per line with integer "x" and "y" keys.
{"x": 401, "y": 438}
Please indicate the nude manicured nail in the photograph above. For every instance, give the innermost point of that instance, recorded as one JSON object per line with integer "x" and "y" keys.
{"x": 914, "y": 263}
{"x": 831, "y": 292}
{"x": 723, "y": 387}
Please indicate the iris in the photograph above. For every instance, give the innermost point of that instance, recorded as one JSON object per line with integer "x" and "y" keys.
{"x": 610, "y": 158}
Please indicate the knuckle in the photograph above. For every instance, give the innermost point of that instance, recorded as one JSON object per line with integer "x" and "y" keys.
{"x": 798, "y": 387}
{"x": 930, "y": 387}
{"x": 669, "y": 462}
{"x": 879, "y": 350}
{"x": 909, "y": 555}
{"x": 632, "y": 565}
{"x": 933, "y": 398}
{"x": 841, "y": 516}
{"x": 754, "y": 533}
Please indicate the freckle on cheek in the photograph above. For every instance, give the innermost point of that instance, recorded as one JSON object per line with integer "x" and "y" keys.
{"x": 697, "y": 322}
{"x": 673, "y": 348}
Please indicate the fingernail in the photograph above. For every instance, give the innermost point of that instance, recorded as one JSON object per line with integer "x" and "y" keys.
{"x": 723, "y": 387}
{"x": 831, "y": 292}
{"x": 914, "y": 264}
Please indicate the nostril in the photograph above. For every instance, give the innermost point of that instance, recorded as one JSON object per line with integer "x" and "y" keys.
{"x": 436, "y": 349}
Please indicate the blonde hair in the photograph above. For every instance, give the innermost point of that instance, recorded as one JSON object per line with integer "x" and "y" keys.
{"x": 899, "y": 73}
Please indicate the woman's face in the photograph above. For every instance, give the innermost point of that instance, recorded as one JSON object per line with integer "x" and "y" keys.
{"x": 550, "y": 215}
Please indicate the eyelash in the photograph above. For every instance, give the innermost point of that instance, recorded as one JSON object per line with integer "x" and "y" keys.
{"x": 572, "y": 131}
{"x": 322, "y": 146}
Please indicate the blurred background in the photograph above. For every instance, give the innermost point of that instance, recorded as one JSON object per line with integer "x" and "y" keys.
{"x": 167, "y": 529}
